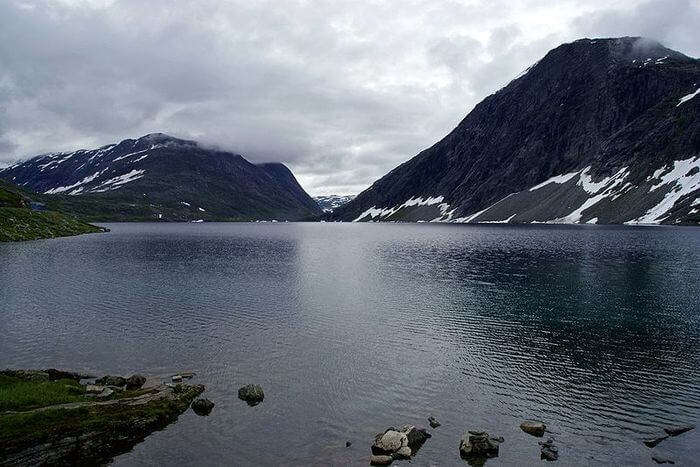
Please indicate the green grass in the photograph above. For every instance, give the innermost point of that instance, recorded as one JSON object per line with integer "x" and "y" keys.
{"x": 18, "y": 395}
{"x": 17, "y": 224}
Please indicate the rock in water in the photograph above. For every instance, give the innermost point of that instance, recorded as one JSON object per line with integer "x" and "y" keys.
{"x": 433, "y": 422}
{"x": 177, "y": 378}
{"x": 348, "y": 444}
{"x": 399, "y": 444}
{"x": 252, "y": 394}
{"x": 476, "y": 444}
{"x": 380, "y": 459}
{"x": 661, "y": 459}
{"x": 111, "y": 381}
{"x": 678, "y": 430}
{"x": 202, "y": 406}
{"x": 548, "y": 450}
{"x": 651, "y": 442}
{"x": 135, "y": 382}
{"x": 533, "y": 427}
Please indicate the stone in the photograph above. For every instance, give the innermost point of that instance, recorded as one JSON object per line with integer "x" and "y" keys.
{"x": 404, "y": 452}
{"x": 94, "y": 389}
{"x": 389, "y": 442}
{"x": 348, "y": 444}
{"x": 416, "y": 436}
{"x": 651, "y": 442}
{"x": 548, "y": 451}
{"x": 252, "y": 394}
{"x": 678, "y": 430}
{"x": 177, "y": 378}
{"x": 107, "y": 392}
{"x": 202, "y": 406}
{"x": 533, "y": 427}
{"x": 433, "y": 422}
{"x": 380, "y": 459}
{"x": 479, "y": 444}
{"x": 135, "y": 382}
{"x": 661, "y": 459}
{"x": 109, "y": 380}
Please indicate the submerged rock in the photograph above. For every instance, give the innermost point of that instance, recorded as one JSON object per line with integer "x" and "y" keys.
{"x": 135, "y": 382}
{"x": 433, "y": 422}
{"x": 109, "y": 380}
{"x": 678, "y": 430}
{"x": 202, "y": 406}
{"x": 533, "y": 427}
{"x": 252, "y": 394}
{"x": 380, "y": 459}
{"x": 661, "y": 459}
{"x": 476, "y": 443}
{"x": 651, "y": 442}
{"x": 548, "y": 451}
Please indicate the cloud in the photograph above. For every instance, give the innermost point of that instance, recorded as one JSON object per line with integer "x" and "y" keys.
{"x": 341, "y": 91}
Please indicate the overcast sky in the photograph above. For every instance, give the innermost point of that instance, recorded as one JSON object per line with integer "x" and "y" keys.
{"x": 341, "y": 91}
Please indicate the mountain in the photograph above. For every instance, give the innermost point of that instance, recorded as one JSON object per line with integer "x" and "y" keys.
{"x": 329, "y": 203}
{"x": 597, "y": 131}
{"x": 161, "y": 177}
{"x": 18, "y": 221}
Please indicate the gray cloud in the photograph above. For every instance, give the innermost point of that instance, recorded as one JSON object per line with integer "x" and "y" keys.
{"x": 341, "y": 91}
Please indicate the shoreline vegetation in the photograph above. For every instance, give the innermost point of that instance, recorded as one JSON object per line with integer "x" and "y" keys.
{"x": 21, "y": 219}
{"x": 63, "y": 417}
{"x": 51, "y": 417}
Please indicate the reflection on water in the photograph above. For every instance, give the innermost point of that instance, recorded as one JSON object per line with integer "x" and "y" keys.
{"x": 353, "y": 328}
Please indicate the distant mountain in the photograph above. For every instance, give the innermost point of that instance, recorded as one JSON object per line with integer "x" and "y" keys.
{"x": 331, "y": 202}
{"x": 158, "y": 177}
{"x": 597, "y": 131}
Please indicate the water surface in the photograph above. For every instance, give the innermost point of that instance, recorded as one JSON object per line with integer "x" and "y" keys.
{"x": 351, "y": 328}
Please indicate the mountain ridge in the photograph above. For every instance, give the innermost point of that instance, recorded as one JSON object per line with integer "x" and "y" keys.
{"x": 159, "y": 177}
{"x": 591, "y": 102}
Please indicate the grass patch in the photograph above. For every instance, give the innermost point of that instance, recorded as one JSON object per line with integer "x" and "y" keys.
{"x": 17, "y": 224}
{"x": 17, "y": 395}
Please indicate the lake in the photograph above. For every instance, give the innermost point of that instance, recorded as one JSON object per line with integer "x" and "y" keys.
{"x": 352, "y": 328}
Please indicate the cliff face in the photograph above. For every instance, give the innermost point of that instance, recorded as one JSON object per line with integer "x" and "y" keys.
{"x": 602, "y": 130}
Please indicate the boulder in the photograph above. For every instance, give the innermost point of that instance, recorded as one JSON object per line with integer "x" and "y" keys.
{"x": 433, "y": 422}
{"x": 548, "y": 451}
{"x": 348, "y": 444}
{"x": 135, "y": 382}
{"x": 252, "y": 394}
{"x": 476, "y": 443}
{"x": 202, "y": 406}
{"x": 416, "y": 436}
{"x": 107, "y": 392}
{"x": 109, "y": 380}
{"x": 389, "y": 442}
{"x": 94, "y": 389}
{"x": 404, "y": 452}
{"x": 651, "y": 442}
{"x": 379, "y": 459}
{"x": 678, "y": 430}
{"x": 533, "y": 427}
{"x": 177, "y": 378}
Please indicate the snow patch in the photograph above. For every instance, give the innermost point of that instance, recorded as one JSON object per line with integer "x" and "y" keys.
{"x": 688, "y": 97}
{"x": 62, "y": 189}
{"x": 680, "y": 168}
{"x": 417, "y": 201}
{"x": 116, "y": 182}
{"x": 556, "y": 179}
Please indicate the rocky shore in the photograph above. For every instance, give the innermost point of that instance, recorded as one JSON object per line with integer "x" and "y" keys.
{"x": 49, "y": 417}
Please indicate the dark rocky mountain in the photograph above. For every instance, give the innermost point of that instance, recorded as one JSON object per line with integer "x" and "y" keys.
{"x": 161, "y": 177}
{"x": 597, "y": 131}
{"x": 331, "y": 202}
